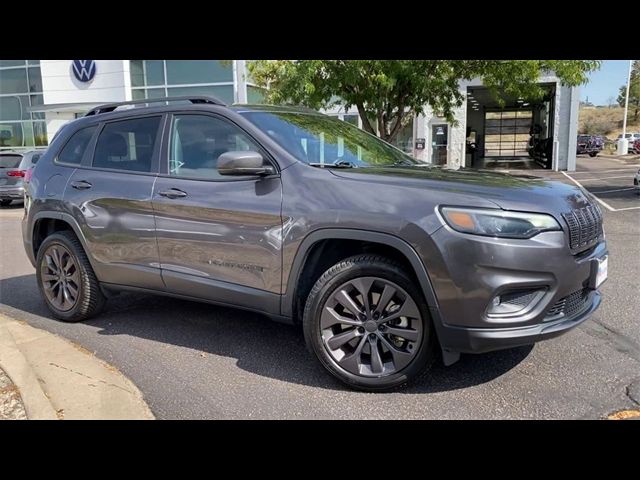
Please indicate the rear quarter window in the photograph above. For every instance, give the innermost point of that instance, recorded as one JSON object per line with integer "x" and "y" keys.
{"x": 74, "y": 149}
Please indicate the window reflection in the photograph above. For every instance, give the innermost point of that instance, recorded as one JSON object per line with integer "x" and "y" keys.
{"x": 20, "y": 89}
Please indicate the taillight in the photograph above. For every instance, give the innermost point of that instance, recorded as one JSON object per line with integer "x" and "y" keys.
{"x": 16, "y": 173}
{"x": 28, "y": 174}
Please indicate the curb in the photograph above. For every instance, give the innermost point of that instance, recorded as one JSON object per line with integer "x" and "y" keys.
{"x": 58, "y": 379}
{"x": 17, "y": 368}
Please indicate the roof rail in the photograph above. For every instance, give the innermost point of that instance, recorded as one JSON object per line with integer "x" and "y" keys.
{"x": 110, "y": 107}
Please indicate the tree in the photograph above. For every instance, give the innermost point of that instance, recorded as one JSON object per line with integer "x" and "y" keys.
{"x": 611, "y": 101}
{"x": 634, "y": 92}
{"x": 388, "y": 92}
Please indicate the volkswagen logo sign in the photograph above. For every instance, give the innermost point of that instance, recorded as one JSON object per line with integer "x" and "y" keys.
{"x": 84, "y": 70}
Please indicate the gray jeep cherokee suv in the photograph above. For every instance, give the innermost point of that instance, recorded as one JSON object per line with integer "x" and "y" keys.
{"x": 385, "y": 261}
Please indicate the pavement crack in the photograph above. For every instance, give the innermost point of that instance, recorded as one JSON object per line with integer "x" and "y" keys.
{"x": 632, "y": 391}
{"x": 619, "y": 341}
{"x": 90, "y": 377}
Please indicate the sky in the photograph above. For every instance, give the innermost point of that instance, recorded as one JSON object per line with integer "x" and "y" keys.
{"x": 605, "y": 82}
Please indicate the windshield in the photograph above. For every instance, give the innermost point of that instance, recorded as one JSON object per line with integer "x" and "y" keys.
{"x": 323, "y": 140}
{"x": 10, "y": 161}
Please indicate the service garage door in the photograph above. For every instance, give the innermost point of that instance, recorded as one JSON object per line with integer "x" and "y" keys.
{"x": 506, "y": 133}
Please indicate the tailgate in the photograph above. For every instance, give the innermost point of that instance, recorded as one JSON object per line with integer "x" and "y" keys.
{"x": 10, "y": 162}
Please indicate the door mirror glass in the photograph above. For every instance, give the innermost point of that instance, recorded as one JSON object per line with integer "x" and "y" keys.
{"x": 245, "y": 162}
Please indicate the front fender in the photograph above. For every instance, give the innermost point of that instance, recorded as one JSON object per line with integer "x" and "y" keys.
{"x": 286, "y": 307}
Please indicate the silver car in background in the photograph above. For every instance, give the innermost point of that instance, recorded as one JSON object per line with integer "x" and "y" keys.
{"x": 13, "y": 168}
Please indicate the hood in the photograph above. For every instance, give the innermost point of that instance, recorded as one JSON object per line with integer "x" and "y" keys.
{"x": 510, "y": 192}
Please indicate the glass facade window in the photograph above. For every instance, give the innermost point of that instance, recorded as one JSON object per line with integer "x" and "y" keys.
{"x": 352, "y": 119}
{"x": 40, "y": 134}
{"x": 147, "y": 72}
{"x": 35, "y": 79}
{"x": 404, "y": 138}
{"x": 255, "y": 94}
{"x": 139, "y": 94}
{"x": 162, "y": 78}
{"x": 20, "y": 89}
{"x": 14, "y": 107}
{"x": 11, "y": 63}
{"x": 186, "y": 72}
{"x": 13, "y": 80}
{"x": 223, "y": 92}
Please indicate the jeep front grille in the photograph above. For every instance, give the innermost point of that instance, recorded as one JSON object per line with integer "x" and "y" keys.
{"x": 585, "y": 226}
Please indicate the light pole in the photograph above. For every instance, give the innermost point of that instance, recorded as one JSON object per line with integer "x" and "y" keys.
{"x": 623, "y": 144}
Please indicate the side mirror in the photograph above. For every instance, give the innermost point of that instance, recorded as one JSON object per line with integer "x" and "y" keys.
{"x": 243, "y": 163}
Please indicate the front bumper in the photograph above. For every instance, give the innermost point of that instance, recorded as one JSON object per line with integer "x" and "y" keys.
{"x": 480, "y": 340}
{"x": 11, "y": 193}
{"x": 468, "y": 272}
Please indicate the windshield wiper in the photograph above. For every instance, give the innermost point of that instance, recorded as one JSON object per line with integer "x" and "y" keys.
{"x": 333, "y": 165}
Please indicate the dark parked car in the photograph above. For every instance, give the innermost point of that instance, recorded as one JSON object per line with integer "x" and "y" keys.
{"x": 13, "y": 168}
{"x": 386, "y": 262}
{"x": 590, "y": 145}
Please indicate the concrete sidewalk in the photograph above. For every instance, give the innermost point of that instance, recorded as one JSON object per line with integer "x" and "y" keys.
{"x": 57, "y": 379}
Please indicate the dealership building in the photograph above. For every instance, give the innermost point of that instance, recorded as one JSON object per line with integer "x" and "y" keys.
{"x": 37, "y": 97}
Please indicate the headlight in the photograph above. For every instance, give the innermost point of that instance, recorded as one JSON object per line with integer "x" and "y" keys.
{"x": 498, "y": 223}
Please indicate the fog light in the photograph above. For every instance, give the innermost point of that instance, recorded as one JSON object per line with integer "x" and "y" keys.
{"x": 514, "y": 302}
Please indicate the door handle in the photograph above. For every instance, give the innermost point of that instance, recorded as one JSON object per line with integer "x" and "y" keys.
{"x": 173, "y": 193}
{"x": 81, "y": 185}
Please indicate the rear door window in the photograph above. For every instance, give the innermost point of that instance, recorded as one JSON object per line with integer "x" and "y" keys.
{"x": 73, "y": 151}
{"x": 127, "y": 144}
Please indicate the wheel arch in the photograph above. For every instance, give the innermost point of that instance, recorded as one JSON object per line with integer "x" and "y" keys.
{"x": 47, "y": 222}
{"x": 404, "y": 250}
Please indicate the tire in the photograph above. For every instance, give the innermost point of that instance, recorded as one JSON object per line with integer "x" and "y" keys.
{"x": 320, "y": 331}
{"x": 5, "y": 203}
{"x": 593, "y": 154}
{"x": 89, "y": 299}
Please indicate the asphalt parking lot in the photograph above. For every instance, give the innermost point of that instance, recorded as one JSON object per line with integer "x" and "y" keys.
{"x": 610, "y": 179}
{"x": 196, "y": 361}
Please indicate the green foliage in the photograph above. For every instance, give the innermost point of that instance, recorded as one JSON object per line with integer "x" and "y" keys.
{"x": 388, "y": 92}
{"x": 634, "y": 92}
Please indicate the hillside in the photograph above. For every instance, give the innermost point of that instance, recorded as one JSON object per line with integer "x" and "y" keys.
{"x": 604, "y": 121}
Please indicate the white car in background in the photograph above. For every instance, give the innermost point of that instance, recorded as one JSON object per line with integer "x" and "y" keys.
{"x": 631, "y": 138}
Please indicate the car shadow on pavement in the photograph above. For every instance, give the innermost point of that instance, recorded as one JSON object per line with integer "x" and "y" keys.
{"x": 13, "y": 206}
{"x": 260, "y": 346}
